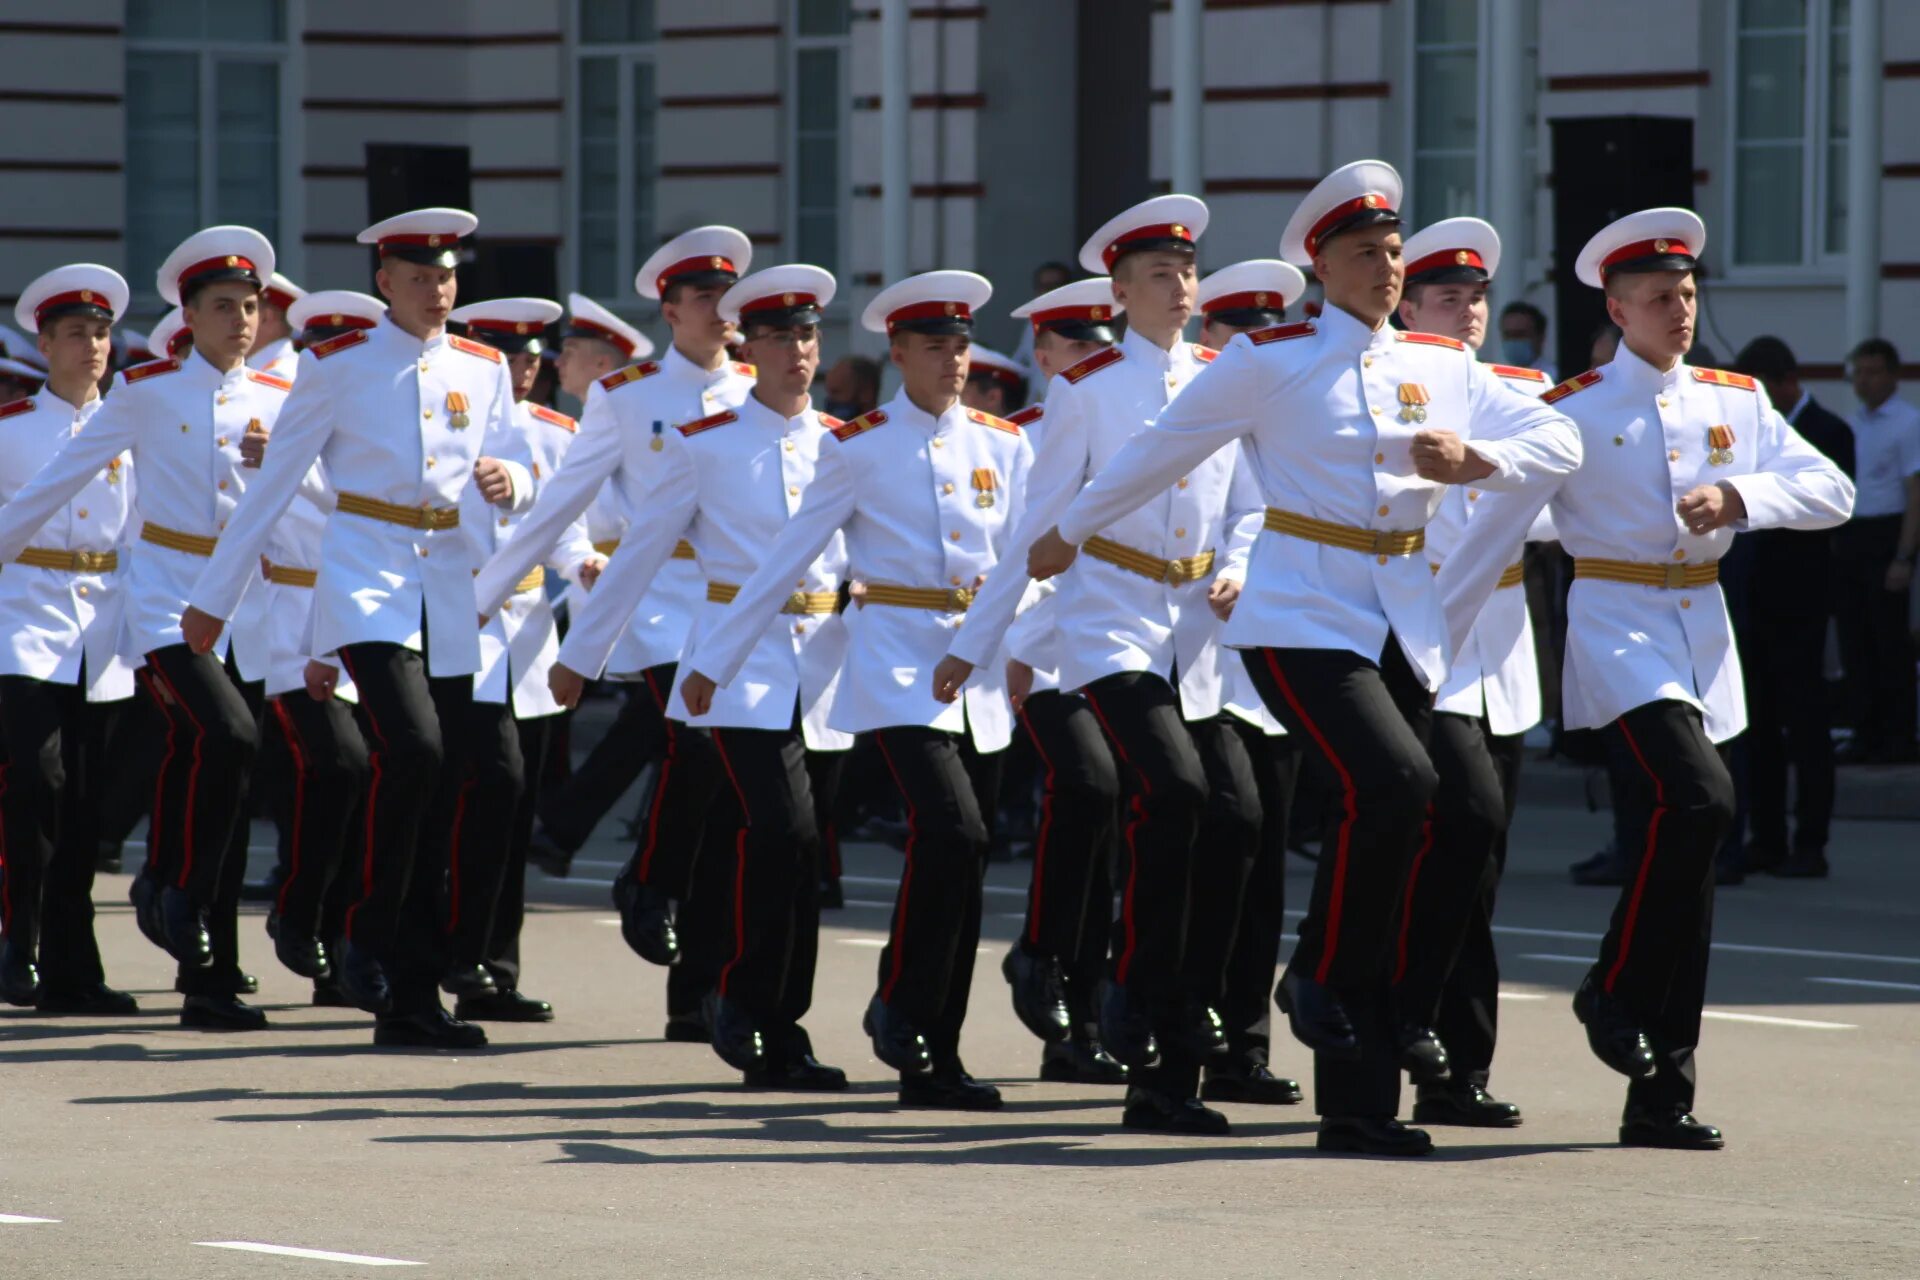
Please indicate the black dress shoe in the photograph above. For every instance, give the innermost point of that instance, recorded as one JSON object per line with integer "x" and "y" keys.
{"x": 19, "y": 976}
{"x": 949, "y": 1088}
{"x": 108, "y": 858}
{"x": 363, "y": 978}
{"x": 304, "y": 955}
{"x": 221, "y": 1013}
{"x": 502, "y": 1006}
{"x": 1612, "y": 1033}
{"x": 832, "y": 896}
{"x": 1371, "y": 1136}
{"x": 1163, "y": 1113}
{"x": 185, "y": 926}
{"x": 468, "y": 980}
{"x": 800, "y": 1073}
{"x": 1199, "y": 1031}
{"x": 144, "y": 894}
{"x": 1466, "y": 1105}
{"x": 433, "y": 1029}
{"x": 1080, "y": 1061}
{"x": 1254, "y": 1084}
{"x": 96, "y": 1001}
{"x": 736, "y": 1034}
{"x": 1805, "y": 864}
{"x": 1675, "y": 1130}
{"x": 1126, "y": 1027}
{"x": 646, "y": 921}
{"x": 246, "y": 984}
{"x": 896, "y": 1041}
{"x": 1316, "y": 1017}
{"x": 687, "y": 1028}
{"x": 1422, "y": 1056}
{"x": 1607, "y": 867}
{"x": 1039, "y": 993}
{"x": 329, "y": 994}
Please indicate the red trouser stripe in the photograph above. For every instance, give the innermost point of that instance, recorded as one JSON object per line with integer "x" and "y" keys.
{"x": 1350, "y": 813}
{"x": 294, "y": 749}
{"x": 453, "y": 854}
{"x": 739, "y": 866}
{"x": 1138, "y": 803}
{"x": 1041, "y": 840}
{"x": 645, "y": 861}
{"x": 193, "y": 778}
{"x": 1646, "y": 859}
{"x": 374, "y": 757}
{"x": 899, "y": 938}
{"x": 1413, "y": 881}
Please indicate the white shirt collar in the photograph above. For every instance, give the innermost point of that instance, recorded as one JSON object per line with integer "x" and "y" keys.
{"x": 903, "y": 409}
{"x": 1139, "y": 348}
{"x": 196, "y": 359}
{"x": 1348, "y": 332}
{"x": 1637, "y": 373}
{"x": 677, "y": 365}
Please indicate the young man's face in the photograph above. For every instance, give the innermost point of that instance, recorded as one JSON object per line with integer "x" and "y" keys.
{"x": 524, "y": 367}
{"x": 77, "y": 347}
{"x": 1362, "y": 271}
{"x": 1054, "y": 352}
{"x": 1655, "y": 311}
{"x": 694, "y": 315}
{"x": 224, "y": 318}
{"x": 582, "y": 360}
{"x": 932, "y": 366}
{"x": 419, "y": 296}
{"x": 1873, "y": 379}
{"x": 784, "y": 359}
{"x": 988, "y": 395}
{"x": 1157, "y": 287}
{"x": 1450, "y": 310}
{"x": 273, "y": 325}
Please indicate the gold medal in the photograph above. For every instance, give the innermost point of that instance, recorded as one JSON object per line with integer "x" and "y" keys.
{"x": 113, "y": 471}
{"x": 1720, "y": 445}
{"x": 457, "y": 410}
{"x": 1413, "y": 402}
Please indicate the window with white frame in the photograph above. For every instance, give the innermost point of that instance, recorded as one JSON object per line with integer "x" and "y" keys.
{"x": 616, "y": 107}
{"x": 1789, "y": 187}
{"x": 817, "y": 103}
{"x": 204, "y": 113}
{"x": 1446, "y": 110}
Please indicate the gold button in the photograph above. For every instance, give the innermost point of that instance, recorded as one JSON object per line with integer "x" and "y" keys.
{"x": 1473, "y": 495}
{"x": 1376, "y": 410}
{"x": 801, "y": 583}
{"x": 1663, "y": 402}
{"x": 219, "y": 399}
{"x": 947, "y": 487}
{"x": 1679, "y": 555}
{"x": 83, "y": 513}
{"x": 1183, "y": 483}
{"x": 1379, "y": 458}
{"x": 1619, "y": 439}
{"x": 1685, "y": 603}
{"x": 1673, "y": 455}
{"x": 937, "y": 442}
{"x": 1382, "y": 560}
{"x": 506, "y": 606}
{"x": 184, "y": 428}
{"x": 788, "y": 446}
{"x": 793, "y": 491}
{"x": 427, "y": 414}
{"x": 799, "y": 628}
{"x": 429, "y": 464}
{"x": 954, "y": 580}
{"x": 223, "y": 484}
{"x": 423, "y": 553}
{"x": 223, "y": 526}
{"x": 1384, "y": 509}
{"x": 222, "y": 442}
{"x": 83, "y": 591}
{"x": 503, "y": 522}
{"x": 423, "y": 366}
{"x": 1366, "y": 362}
{"x": 1179, "y": 533}
{"x": 955, "y": 535}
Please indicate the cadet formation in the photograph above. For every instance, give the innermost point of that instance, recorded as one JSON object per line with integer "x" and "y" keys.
{"x": 342, "y": 522}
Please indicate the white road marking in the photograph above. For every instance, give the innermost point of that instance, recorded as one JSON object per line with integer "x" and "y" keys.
{"x": 863, "y": 942}
{"x": 1768, "y": 1020}
{"x": 1522, "y": 995}
{"x": 316, "y": 1255}
{"x": 1545, "y": 955}
{"x": 19, "y": 1220}
{"x": 1867, "y": 982}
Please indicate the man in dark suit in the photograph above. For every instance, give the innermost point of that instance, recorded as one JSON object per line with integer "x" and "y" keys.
{"x": 1783, "y": 646}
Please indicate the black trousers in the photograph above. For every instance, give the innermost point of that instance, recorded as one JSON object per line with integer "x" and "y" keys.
{"x": 197, "y": 835}
{"x": 413, "y": 721}
{"x": 1194, "y": 817}
{"x": 1789, "y": 723}
{"x": 471, "y": 823}
{"x": 330, "y": 767}
{"x": 569, "y": 813}
{"x": 539, "y": 738}
{"x": 704, "y": 915}
{"x": 1368, "y": 721}
{"x": 1679, "y": 794}
{"x": 679, "y": 793}
{"x": 1875, "y": 643}
{"x": 1073, "y": 839}
{"x": 1246, "y": 1000}
{"x": 1446, "y": 973}
{"x": 58, "y": 749}
{"x": 926, "y": 968}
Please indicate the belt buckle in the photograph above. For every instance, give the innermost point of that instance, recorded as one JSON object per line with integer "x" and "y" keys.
{"x": 1385, "y": 543}
{"x": 959, "y": 598}
{"x": 1676, "y": 577}
{"x": 797, "y": 602}
{"x": 1173, "y": 572}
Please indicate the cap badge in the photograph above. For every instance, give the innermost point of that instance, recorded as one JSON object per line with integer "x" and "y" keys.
{"x": 1462, "y": 257}
{"x": 786, "y": 299}
{"x": 952, "y": 309}
{"x": 522, "y": 327}
{"x": 338, "y": 319}
{"x": 1099, "y": 313}
{"x": 719, "y": 263}
{"x": 1178, "y": 230}
{"x": 86, "y": 295}
{"x": 1259, "y": 299}
{"x": 1659, "y": 246}
{"x": 1370, "y": 200}
{"x": 433, "y": 242}
{"x": 232, "y": 261}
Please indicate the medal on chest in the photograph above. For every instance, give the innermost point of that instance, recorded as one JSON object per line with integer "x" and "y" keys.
{"x": 457, "y": 407}
{"x": 657, "y": 443}
{"x": 1720, "y": 445}
{"x": 1413, "y": 402}
{"x": 983, "y": 487}
{"x": 113, "y": 471}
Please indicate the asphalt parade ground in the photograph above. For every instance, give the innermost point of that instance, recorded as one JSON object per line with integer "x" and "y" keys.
{"x": 589, "y": 1147}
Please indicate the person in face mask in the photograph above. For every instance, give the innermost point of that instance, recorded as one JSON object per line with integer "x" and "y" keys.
{"x": 1523, "y": 337}
{"x": 852, "y": 387}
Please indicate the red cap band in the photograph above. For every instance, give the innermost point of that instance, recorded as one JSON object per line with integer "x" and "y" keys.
{"x": 1158, "y": 231}
{"x": 1070, "y": 315}
{"x": 590, "y": 329}
{"x": 340, "y": 320}
{"x": 929, "y": 311}
{"x": 688, "y": 266}
{"x": 1446, "y": 258}
{"x": 231, "y": 261}
{"x": 1340, "y": 213}
{"x": 779, "y": 302}
{"x": 278, "y": 297}
{"x": 517, "y": 327}
{"x": 1643, "y": 249}
{"x": 81, "y": 297}
{"x": 1249, "y": 300}
{"x": 179, "y": 341}
{"x": 437, "y": 240}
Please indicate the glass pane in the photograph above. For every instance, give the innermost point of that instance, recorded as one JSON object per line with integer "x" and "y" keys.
{"x": 163, "y": 19}
{"x": 824, "y": 17}
{"x": 1443, "y": 187}
{"x": 818, "y": 237}
{"x": 598, "y": 189}
{"x": 1836, "y": 210}
{"x": 599, "y": 258}
{"x": 243, "y": 20}
{"x": 247, "y": 158}
{"x": 1772, "y": 89}
{"x": 817, "y": 89}
{"x": 599, "y": 98}
{"x": 644, "y": 109}
{"x": 616, "y": 21}
{"x": 1447, "y": 22}
{"x": 818, "y": 183}
{"x": 163, "y": 158}
{"x": 1772, "y": 14}
{"x": 1767, "y": 204}
{"x": 1446, "y": 102}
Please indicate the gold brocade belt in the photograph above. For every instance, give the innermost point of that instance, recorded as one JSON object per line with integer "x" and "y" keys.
{"x": 1376, "y": 542}
{"x": 355, "y": 504}
{"x": 682, "y": 550}
{"x": 798, "y": 602}
{"x": 288, "y": 576}
{"x": 1511, "y": 576}
{"x": 938, "y": 599}
{"x": 192, "y": 543}
{"x": 1173, "y": 572}
{"x": 70, "y": 561}
{"x": 1673, "y": 577}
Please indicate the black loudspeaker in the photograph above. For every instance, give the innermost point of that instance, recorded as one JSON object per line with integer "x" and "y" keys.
{"x": 1605, "y": 167}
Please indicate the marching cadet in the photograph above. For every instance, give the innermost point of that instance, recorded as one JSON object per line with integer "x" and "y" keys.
{"x": 63, "y": 686}
{"x": 1135, "y": 637}
{"x": 995, "y": 384}
{"x": 1446, "y": 973}
{"x": 1677, "y": 458}
{"x": 728, "y": 484}
{"x": 926, "y": 491}
{"x": 1340, "y": 617}
{"x": 402, "y": 416}
{"x": 183, "y": 420}
{"x": 170, "y": 337}
{"x": 1245, "y": 298}
{"x": 1070, "y": 897}
{"x": 329, "y": 757}
{"x": 488, "y": 813}
{"x": 621, "y": 433}
{"x": 18, "y": 381}
{"x": 274, "y": 348}
{"x": 597, "y": 342}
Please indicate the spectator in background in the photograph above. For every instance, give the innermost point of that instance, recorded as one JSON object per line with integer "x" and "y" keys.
{"x": 1606, "y": 341}
{"x": 1046, "y": 277}
{"x": 853, "y": 388}
{"x": 1783, "y": 649}
{"x": 995, "y": 384}
{"x": 1523, "y": 338}
{"x": 1875, "y": 561}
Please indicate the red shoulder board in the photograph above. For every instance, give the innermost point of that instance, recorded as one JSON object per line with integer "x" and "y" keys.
{"x": 830, "y": 422}
{"x": 865, "y": 422}
{"x": 554, "y": 417}
{"x": 744, "y": 369}
{"x": 473, "y": 348}
{"x": 632, "y": 373}
{"x": 1281, "y": 332}
{"x": 1578, "y": 382}
{"x": 988, "y": 420}
{"x": 1518, "y": 374}
{"x": 269, "y": 380}
{"x": 720, "y": 419}
{"x": 17, "y": 408}
{"x": 1093, "y": 364}
{"x": 152, "y": 369}
{"x": 1432, "y": 339}
{"x": 1028, "y": 416}
{"x": 339, "y": 342}
{"x": 1721, "y": 378}
{"x": 1204, "y": 354}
